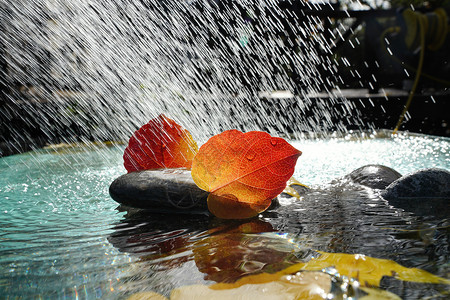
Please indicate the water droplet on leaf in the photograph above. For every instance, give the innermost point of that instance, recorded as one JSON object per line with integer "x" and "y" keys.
{"x": 250, "y": 155}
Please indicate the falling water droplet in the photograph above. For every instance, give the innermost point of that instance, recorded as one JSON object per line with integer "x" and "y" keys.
{"x": 155, "y": 67}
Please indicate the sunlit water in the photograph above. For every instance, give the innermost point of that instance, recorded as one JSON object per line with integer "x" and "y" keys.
{"x": 62, "y": 236}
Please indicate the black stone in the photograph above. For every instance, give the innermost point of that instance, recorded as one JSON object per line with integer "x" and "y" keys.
{"x": 159, "y": 190}
{"x": 173, "y": 190}
{"x": 424, "y": 193}
{"x": 373, "y": 176}
{"x": 427, "y": 183}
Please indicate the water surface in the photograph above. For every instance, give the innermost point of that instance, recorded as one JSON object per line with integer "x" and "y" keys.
{"x": 63, "y": 237}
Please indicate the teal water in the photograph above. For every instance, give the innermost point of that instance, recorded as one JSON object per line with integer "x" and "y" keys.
{"x": 55, "y": 216}
{"x": 63, "y": 238}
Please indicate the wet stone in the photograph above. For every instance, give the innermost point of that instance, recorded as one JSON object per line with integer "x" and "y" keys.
{"x": 159, "y": 190}
{"x": 427, "y": 183}
{"x": 374, "y": 176}
{"x": 424, "y": 193}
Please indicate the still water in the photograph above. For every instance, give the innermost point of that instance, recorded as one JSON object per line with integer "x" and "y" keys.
{"x": 62, "y": 236}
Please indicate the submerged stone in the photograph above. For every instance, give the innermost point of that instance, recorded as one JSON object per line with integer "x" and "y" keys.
{"x": 159, "y": 190}
{"x": 373, "y": 176}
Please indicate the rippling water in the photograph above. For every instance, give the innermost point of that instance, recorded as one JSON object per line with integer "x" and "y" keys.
{"x": 63, "y": 237}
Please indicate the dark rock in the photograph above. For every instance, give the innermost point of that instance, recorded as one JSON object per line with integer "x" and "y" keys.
{"x": 159, "y": 190}
{"x": 373, "y": 176}
{"x": 424, "y": 193}
{"x": 173, "y": 190}
{"x": 427, "y": 183}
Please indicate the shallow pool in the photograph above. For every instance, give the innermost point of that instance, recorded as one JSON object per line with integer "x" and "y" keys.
{"x": 63, "y": 237}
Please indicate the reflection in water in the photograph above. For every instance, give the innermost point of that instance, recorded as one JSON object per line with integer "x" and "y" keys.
{"x": 357, "y": 220}
{"x": 244, "y": 249}
{"x": 223, "y": 251}
{"x": 174, "y": 248}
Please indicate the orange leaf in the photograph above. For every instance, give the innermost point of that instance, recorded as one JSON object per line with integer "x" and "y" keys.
{"x": 161, "y": 143}
{"x": 243, "y": 171}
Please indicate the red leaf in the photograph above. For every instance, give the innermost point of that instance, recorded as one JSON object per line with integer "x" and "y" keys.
{"x": 161, "y": 143}
{"x": 243, "y": 171}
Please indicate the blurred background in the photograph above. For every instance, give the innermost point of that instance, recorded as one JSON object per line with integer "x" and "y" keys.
{"x": 96, "y": 71}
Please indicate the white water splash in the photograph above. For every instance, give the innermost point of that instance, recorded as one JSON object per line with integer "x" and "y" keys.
{"x": 104, "y": 68}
